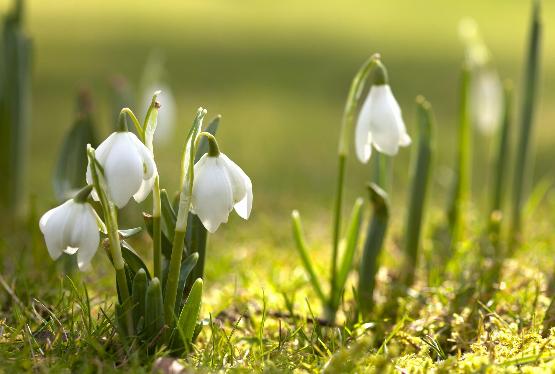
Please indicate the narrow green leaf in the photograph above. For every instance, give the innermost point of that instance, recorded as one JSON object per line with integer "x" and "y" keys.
{"x": 353, "y": 233}
{"x": 69, "y": 175}
{"x": 187, "y": 267}
{"x": 420, "y": 175}
{"x": 138, "y": 295}
{"x": 154, "y": 309}
{"x": 305, "y": 257}
{"x": 166, "y": 243}
{"x": 372, "y": 248}
{"x": 132, "y": 259}
{"x": 195, "y": 242}
{"x": 130, "y": 232}
{"x": 522, "y": 174}
{"x": 189, "y": 314}
{"x": 168, "y": 217}
{"x": 461, "y": 182}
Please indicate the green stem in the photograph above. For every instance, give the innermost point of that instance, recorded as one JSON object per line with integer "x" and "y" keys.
{"x": 170, "y": 295}
{"x": 337, "y": 224}
{"x": 156, "y": 229}
{"x": 111, "y": 220}
{"x": 136, "y": 123}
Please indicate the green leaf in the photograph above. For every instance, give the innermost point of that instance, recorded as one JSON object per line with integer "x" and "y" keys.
{"x": 69, "y": 175}
{"x": 372, "y": 249}
{"x": 186, "y": 269}
{"x": 132, "y": 259}
{"x": 195, "y": 242}
{"x": 130, "y": 232}
{"x": 138, "y": 294}
{"x": 528, "y": 105}
{"x": 154, "y": 309}
{"x": 168, "y": 216}
{"x": 305, "y": 257}
{"x": 189, "y": 314}
{"x": 166, "y": 243}
{"x": 353, "y": 232}
{"x": 420, "y": 174}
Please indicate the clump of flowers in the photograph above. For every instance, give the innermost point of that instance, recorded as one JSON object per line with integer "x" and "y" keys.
{"x": 157, "y": 305}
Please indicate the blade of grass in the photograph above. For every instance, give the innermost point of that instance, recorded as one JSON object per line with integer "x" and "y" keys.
{"x": 420, "y": 175}
{"x": 372, "y": 249}
{"x": 353, "y": 233}
{"x": 305, "y": 257}
{"x": 526, "y": 125}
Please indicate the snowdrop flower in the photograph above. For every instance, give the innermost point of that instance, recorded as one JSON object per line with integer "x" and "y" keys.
{"x": 486, "y": 100}
{"x": 72, "y": 228}
{"x": 219, "y": 186}
{"x": 129, "y": 168}
{"x": 380, "y": 122}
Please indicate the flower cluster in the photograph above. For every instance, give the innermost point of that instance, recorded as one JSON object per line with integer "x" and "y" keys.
{"x": 128, "y": 170}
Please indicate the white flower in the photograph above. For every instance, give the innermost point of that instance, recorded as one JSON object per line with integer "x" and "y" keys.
{"x": 486, "y": 100}
{"x": 219, "y": 186}
{"x": 71, "y": 228}
{"x": 129, "y": 168}
{"x": 380, "y": 124}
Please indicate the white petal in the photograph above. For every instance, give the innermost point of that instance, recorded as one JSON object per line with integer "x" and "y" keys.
{"x": 235, "y": 174}
{"x": 123, "y": 170}
{"x": 385, "y": 120}
{"x": 242, "y": 186}
{"x": 89, "y": 238}
{"x": 101, "y": 153}
{"x": 363, "y": 137}
{"x": 244, "y": 207}
{"x": 144, "y": 190}
{"x": 52, "y": 224}
{"x": 212, "y": 198}
{"x": 146, "y": 156}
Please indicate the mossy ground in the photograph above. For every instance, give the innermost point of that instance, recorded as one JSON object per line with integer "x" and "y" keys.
{"x": 260, "y": 313}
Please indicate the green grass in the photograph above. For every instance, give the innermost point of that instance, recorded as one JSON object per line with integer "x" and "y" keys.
{"x": 279, "y": 73}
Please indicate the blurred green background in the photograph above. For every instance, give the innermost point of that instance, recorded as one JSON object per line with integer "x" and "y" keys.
{"x": 278, "y": 72}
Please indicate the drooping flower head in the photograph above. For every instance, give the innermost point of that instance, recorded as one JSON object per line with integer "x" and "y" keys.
{"x": 128, "y": 166}
{"x": 380, "y": 123}
{"x": 219, "y": 186}
{"x": 72, "y": 228}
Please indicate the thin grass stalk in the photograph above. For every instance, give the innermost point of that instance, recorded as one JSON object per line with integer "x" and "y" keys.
{"x": 420, "y": 175}
{"x": 521, "y": 174}
{"x": 372, "y": 249}
{"x": 496, "y": 215}
{"x": 461, "y": 183}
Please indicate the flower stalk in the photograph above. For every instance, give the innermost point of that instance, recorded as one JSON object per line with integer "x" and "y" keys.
{"x": 110, "y": 218}
{"x": 170, "y": 294}
{"x": 349, "y": 115}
